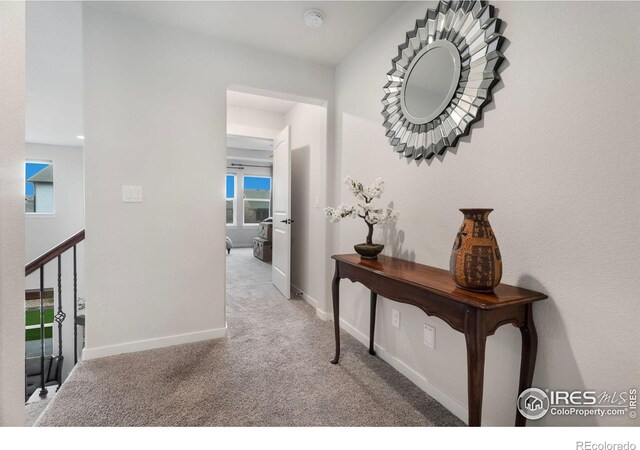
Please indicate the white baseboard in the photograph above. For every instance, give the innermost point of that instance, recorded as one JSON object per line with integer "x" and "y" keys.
{"x": 439, "y": 395}
{"x": 324, "y": 315}
{"x": 313, "y": 302}
{"x": 149, "y": 344}
{"x": 299, "y": 292}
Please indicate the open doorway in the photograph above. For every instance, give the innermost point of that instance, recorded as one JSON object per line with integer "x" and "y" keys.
{"x": 275, "y": 188}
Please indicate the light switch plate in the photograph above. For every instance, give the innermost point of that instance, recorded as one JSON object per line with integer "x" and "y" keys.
{"x": 429, "y": 336}
{"x": 395, "y": 318}
{"x": 132, "y": 194}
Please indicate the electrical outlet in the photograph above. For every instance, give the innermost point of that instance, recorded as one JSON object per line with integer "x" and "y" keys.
{"x": 395, "y": 318}
{"x": 429, "y": 336}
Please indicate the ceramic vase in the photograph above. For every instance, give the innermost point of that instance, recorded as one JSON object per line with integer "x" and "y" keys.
{"x": 476, "y": 264}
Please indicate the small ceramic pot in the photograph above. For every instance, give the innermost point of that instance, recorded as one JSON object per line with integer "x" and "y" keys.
{"x": 368, "y": 251}
{"x": 476, "y": 263}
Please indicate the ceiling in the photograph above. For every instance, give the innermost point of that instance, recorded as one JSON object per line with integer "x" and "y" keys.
{"x": 249, "y": 143}
{"x": 273, "y": 26}
{"x": 259, "y": 102}
{"x": 54, "y": 47}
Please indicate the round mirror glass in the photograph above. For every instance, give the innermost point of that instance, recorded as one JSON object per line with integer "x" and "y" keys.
{"x": 431, "y": 82}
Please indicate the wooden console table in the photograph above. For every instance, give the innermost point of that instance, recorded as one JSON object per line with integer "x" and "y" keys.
{"x": 477, "y": 315}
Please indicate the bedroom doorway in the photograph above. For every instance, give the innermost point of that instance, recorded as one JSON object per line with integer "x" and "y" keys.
{"x": 271, "y": 209}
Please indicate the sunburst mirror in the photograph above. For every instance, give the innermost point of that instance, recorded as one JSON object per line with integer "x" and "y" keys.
{"x": 441, "y": 78}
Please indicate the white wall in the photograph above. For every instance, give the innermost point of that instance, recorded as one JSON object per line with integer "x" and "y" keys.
{"x": 12, "y": 116}
{"x": 54, "y": 72}
{"x": 253, "y": 122}
{"x": 155, "y": 116}
{"x": 556, "y": 156}
{"x": 308, "y": 198}
{"x": 45, "y": 231}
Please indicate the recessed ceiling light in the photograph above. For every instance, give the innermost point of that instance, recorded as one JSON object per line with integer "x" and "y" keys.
{"x": 313, "y": 18}
{"x": 80, "y": 137}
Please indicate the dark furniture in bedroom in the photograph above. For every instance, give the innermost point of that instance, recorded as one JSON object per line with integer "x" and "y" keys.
{"x": 263, "y": 245}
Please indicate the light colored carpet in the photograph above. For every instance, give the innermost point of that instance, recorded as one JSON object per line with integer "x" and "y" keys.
{"x": 273, "y": 370}
{"x": 33, "y": 410}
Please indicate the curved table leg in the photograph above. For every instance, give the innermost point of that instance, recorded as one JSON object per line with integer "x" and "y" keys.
{"x": 528, "y": 359}
{"x": 335, "y": 291}
{"x": 476, "y": 337}
{"x": 372, "y": 322}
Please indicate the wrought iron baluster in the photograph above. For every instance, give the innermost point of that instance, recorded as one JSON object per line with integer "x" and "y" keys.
{"x": 75, "y": 309}
{"x": 38, "y": 264}
{"x": 43, "y": 390}
{"x": 59, "y": 317}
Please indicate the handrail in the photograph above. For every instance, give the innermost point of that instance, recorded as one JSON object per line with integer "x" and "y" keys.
{"x": 38, "y": 264}
{"x": 53, "y": 253}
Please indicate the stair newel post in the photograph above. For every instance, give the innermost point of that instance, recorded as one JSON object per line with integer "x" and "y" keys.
{"x": 75, "y": 308}
{"x": 59, "y": 317}
{"x": 43, "y": 389}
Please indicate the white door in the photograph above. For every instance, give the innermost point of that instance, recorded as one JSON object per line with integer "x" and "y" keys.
{"x": 281, "y": 262}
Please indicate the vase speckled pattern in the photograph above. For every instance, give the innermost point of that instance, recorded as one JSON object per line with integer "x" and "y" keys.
{"x": 476, "y": 263}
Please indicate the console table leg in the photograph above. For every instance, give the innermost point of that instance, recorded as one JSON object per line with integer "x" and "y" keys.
{"x": 372, "y": 323}
{"x": 528, "y": 359}
{"x": 476, "y": 338}
{"x": 335, "y": 291}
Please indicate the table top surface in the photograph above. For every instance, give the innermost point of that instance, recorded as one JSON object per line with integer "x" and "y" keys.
{"x": 439, "y": 282}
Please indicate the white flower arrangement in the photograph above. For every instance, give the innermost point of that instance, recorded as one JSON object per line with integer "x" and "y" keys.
{"x": 364, "y": 209}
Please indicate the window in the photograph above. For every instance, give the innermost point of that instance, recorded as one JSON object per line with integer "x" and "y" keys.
{"x": 38, "y": 191}
{"x": 231, "y": 199}
{"x": 256, "y": 196}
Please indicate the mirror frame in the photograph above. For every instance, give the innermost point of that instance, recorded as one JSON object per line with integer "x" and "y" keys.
{"x": 473, "y": 30}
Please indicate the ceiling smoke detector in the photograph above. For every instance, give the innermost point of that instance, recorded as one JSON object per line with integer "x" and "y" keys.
{"x": 313, "y": 18}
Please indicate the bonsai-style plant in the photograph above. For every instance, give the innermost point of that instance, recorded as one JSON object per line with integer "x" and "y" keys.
{"x": 365, "y": 210}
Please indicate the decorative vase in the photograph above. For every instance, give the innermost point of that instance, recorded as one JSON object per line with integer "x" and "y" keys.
{"x": 476, "y": 264}
{"x": 368, "y": 251}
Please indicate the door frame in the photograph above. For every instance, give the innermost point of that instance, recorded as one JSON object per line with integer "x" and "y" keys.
{"x": 329, "y": 235}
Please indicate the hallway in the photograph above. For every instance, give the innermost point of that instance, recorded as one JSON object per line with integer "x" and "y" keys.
{"x": 272, "y": 370}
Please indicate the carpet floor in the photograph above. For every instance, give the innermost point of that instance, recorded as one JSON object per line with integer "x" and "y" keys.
{"x": 33, "y": 411}
{"x": 272, "y": 370}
